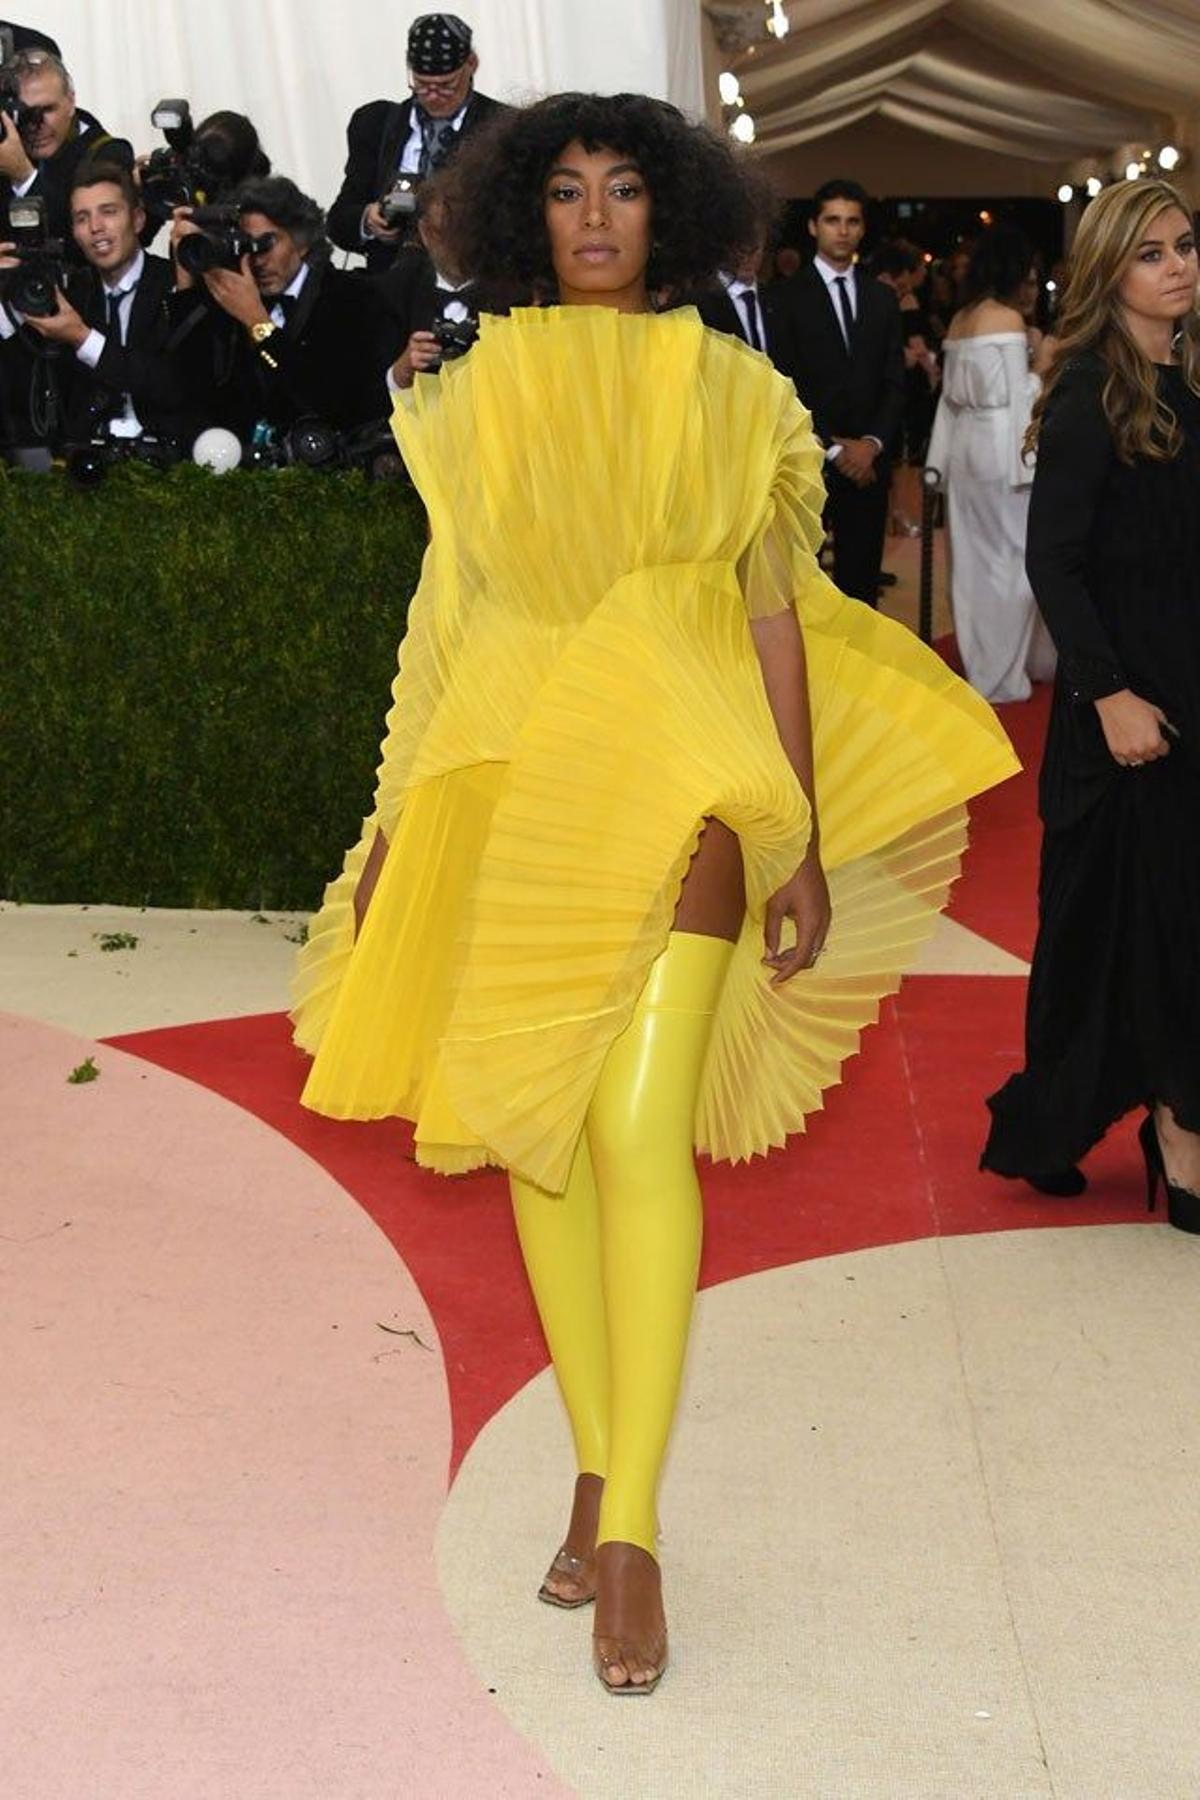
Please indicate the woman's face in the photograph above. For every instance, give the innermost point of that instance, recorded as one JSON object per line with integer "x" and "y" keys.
{"x": 1160, "y": 281}
{"x": 598, "y": 214}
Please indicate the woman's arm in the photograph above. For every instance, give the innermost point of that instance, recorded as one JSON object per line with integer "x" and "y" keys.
{"x": 804, "y": 899}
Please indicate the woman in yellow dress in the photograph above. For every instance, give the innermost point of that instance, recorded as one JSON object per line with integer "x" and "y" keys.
{"x": 597, "y": 894}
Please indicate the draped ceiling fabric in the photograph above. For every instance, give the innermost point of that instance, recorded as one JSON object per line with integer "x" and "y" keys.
{"x": 300, "y": 67}
{"x": 1072, "y": 85}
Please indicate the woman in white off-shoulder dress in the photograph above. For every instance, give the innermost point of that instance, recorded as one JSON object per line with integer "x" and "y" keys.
{"x": 988, "y": 391}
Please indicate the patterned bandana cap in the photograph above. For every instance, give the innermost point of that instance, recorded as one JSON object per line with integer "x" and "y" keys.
{"x": 438, "y": 43}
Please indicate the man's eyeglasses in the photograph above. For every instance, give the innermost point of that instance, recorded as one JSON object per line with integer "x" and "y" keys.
{"x": 441, "y": 89}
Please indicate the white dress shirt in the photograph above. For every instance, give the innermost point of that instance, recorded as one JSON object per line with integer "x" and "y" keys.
{"x": 126, "y": 423}
{"x": 293, "y": 291}
{"x": 410, "y": 156}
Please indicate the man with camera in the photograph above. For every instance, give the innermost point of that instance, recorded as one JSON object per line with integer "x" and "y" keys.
{"x": 100, "y": 336}
{"x": 394, "y": 145}
{"x": 267, "y": 333}
{"x": 435, "y": 312}
{"x": 44, "y": 137}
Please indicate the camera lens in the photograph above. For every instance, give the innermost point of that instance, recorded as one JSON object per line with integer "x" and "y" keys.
{"x": 32, "y": 291}
{"x": 197, "y": 254}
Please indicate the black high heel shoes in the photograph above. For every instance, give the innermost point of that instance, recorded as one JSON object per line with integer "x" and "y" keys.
{"x": 1183, "y": 1207}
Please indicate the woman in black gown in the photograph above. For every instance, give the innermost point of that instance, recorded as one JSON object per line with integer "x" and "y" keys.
{"x": 1113, "y": 1018}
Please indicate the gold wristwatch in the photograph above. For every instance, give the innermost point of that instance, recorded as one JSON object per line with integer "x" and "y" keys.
{"x": 262, "y": 330}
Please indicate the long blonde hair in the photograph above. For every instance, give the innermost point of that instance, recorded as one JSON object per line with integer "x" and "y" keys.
{"x": 1141, "y": 422}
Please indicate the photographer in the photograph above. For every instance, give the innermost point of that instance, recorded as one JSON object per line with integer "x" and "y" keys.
{"x": 435, "y": 312}
{"x": 45, "y": 135}
{"x": 112, "y": 375}
{"x": 412, "y": 139}
{"x": 200, "y": 165}
{"x": 275, "y": 335}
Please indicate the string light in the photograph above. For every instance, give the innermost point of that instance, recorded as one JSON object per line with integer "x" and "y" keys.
{"x": 1066, "y": 193}
{"x": 730, "y": 87}
{"x": 1093, "y": 186}
{"x": 1169, "y": 158}
{"x": 742, "y": 128}
{"x": 1132, "y": 170}
{"x": 778, "y": 24}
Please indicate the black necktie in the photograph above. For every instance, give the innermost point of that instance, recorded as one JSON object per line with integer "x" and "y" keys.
{"x": 115, "y": 298}
{"x": 839, "y": 282}
{"x": 754, "y": 334}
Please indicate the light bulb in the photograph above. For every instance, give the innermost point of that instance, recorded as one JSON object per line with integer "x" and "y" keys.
{"x": 1132, "y": 170}
{"x": 778, "y": 24}
{"x": 1168, "y": 158}
{"x": 743, "y": 128}
{"x": 1066, "y": 192}
{"x": 730, "y": 87}
{"x": 1094, "y": 186}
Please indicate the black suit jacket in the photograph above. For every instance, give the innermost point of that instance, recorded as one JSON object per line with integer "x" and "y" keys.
{"x": 54, "y": 176}
{"x": 141, "y": 367}
{"x": 859, "y": 393}
{"x": 25, "y": 38}
{"x": 375, "y": 140}
{"x": 330, "y": 363}
{"x": 719, "y": 312}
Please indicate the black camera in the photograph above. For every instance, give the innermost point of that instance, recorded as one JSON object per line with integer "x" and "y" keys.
{"x": 25, "y": 118}
{"x": 313, "y": 444}
{"x": 88, "y": 464}
{"x": 31, "y": 288}
{"x": 196, "y": 167}
{"x": 399, "y": 204}
{"x": 220, "y": 243}
{"x": 454, "y": 336}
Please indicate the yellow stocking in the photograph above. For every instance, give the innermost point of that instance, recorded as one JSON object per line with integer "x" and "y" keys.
{"x": 560, "y": 1244}
{"x": 640, "y": 1127}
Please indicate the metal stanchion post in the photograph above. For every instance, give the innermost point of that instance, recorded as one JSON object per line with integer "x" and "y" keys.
{"x": 931, "y": 482}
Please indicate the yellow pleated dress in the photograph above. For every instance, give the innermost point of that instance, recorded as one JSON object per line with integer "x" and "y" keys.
{"x": 612, "y": 498}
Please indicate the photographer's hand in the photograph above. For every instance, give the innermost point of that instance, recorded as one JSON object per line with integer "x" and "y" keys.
{"x": 375, "y": 225}
{"x": 62, "y": 327}
{"x": 420, "y": 353}
{"x": 236, "y": 292}
{"x": 7, "y": 259}
{"x": 181, "y": 227}
{"x": 14, "y": 162}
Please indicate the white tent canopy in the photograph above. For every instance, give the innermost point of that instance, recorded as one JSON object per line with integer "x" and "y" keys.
{"x": 1060, "y": 84}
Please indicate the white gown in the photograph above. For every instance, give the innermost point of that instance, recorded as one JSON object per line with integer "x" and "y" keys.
{"x": 988, "y": 391}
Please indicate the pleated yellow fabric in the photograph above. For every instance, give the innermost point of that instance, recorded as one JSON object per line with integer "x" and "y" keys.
{"x": 612, "y": 498}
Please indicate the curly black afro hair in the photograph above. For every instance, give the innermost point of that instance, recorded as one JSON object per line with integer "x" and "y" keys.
{"x": 708, "y": 207}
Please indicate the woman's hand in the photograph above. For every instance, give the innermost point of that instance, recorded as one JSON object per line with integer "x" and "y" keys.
{"x": 1133, "y": 728}
{"x": 805, "y": 900}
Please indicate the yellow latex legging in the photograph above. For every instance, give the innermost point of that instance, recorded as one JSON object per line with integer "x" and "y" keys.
{"x": 613, "y": 1261}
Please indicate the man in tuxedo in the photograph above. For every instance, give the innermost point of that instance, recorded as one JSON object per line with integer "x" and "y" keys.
{"x": 44, "y": 158}
{"x": 412, "y": 138}
{"x": 848, "y": 344}
{"x": 104, "y": 350}
{"x": 285, "y": 336}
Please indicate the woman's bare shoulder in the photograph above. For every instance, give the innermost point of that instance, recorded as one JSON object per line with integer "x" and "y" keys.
{"x": 984, "y": 317}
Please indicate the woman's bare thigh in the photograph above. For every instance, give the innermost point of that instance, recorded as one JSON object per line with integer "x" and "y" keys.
{"x": 712, "y": 902}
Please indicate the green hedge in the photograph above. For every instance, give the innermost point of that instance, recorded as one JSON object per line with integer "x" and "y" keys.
{"x": 193, "y": 680}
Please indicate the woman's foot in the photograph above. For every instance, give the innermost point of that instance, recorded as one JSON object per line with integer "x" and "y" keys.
{"x": 571, "y": 1578}
{"x": 1180, "y": 1151}
{"x": 629, "y": 1638}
